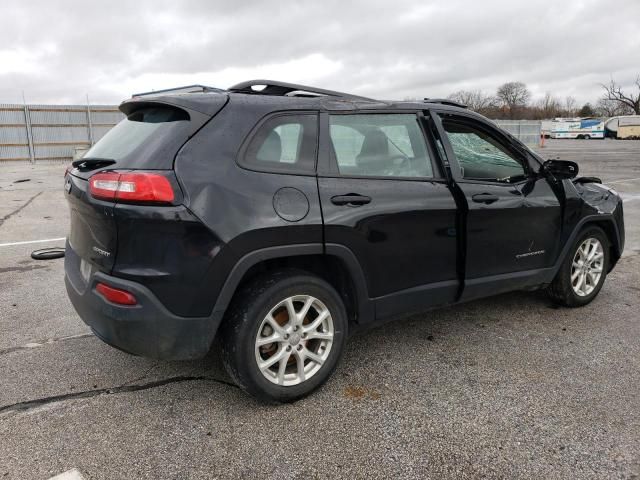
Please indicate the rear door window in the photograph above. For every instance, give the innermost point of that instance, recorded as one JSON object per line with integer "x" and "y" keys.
{"x": 284, "y": 143}
{"x": 379, "y": 145}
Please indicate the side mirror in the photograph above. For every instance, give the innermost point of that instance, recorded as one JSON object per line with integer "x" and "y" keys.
{"x": 560, "y": 169}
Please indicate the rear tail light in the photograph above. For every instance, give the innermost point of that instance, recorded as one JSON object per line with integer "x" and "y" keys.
{"x": 115, "y": 295}
{"x": 131, "y": 187}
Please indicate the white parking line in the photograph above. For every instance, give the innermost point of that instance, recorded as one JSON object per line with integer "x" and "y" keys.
{"x": 32, "y": 241}
{"x": 73, "y": 474}
{"x": 622, "y": 180}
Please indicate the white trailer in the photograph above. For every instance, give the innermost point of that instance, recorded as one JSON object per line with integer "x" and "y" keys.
{"x": 581, "y": 128}
{"x": 625, "y": 126}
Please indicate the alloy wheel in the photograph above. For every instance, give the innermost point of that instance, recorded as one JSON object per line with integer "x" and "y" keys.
{"x": 294, "y": 340}
{"x": 587, "y": 267}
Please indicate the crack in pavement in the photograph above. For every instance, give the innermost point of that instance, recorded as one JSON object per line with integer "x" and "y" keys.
{"x": 42, "y": 343}
{"x": 19, "y": 209}
{"x": 39, "y": 402}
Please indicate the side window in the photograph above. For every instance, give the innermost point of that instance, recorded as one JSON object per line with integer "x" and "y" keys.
{"x": 480, "y": 156}
{"x": 284, "y": 143}
{"x": 380, "y": 145}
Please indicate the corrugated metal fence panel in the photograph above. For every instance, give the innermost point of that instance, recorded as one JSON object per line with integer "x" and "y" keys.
{"x": 56, "y": 130}
{"x": 13, "y": 135}
{"x": 104, "y": 116}
{"x": 100, "y": 131}
{"x": 527, "y": 131}
{"x": 11, "y": 114}
{"x": 14, "y": 153}
{"x": 57, "y": 115}
{"x": 53, "y": 151}
{"x": 74, "y": 134}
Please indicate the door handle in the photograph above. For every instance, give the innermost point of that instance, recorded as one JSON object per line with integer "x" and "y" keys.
{"x": 485, "y": 198}
{"x": 352, "y": 199}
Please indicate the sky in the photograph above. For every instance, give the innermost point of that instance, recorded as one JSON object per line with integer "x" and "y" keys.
{"x": 63, "y": 51}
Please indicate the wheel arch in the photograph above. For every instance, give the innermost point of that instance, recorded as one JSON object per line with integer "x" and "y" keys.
{"x": 336, "y": 264}
{"x": 608, "y": 225}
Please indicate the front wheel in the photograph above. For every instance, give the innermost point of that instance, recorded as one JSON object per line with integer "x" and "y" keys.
{"x": 284, "y": 335}
{"x": 583, "y": 272}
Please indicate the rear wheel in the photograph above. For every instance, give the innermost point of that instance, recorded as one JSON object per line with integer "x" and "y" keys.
{"x": 583, "y": 272}
{"x": 284, "y": 335}
{"x": 587, "y": 137}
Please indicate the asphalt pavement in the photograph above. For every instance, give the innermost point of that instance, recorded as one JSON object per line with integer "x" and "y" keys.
{"x": 506, "y": 387}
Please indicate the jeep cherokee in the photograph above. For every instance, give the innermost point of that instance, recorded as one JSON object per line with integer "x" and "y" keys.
{"x": 280, "y": 218}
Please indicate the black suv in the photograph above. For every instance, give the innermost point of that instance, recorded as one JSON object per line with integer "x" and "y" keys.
{"x": 280, "y": 218}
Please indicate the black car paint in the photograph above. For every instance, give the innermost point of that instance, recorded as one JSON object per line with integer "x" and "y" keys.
{"x": 418, "y": 243}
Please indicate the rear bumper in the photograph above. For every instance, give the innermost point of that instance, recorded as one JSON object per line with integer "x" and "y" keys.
{"x": 147, "y": 329}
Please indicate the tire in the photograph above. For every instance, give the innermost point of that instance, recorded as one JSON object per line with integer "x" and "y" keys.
{"x": 253, "y": 316}
{"x": 563, "y": 290}
{"x": 587, "y": 137}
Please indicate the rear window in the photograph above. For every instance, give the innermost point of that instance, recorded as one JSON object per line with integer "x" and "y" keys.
{"x": 142, "y": 126}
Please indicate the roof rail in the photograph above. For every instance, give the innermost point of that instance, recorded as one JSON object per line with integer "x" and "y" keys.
{"x": 272, "y": 87}
{"x": 186, "y": 89}
{"x": 445, "y": 101}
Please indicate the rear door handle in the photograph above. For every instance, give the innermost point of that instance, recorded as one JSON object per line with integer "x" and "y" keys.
{"x": 352, "y": 199}
{"x": 485, "y": 198}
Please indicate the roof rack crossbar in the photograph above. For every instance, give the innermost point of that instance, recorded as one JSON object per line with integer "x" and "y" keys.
{"x": 272, "y": 87}
{"x": 186, "y": 89}
{"x": 445, "y": 101}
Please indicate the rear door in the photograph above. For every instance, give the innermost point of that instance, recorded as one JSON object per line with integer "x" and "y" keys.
{"x": 514, "y": 217}
{"x": 383, "y": 198}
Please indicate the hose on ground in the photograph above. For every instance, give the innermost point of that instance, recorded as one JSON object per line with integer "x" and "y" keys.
{"x": 48, "y": 253}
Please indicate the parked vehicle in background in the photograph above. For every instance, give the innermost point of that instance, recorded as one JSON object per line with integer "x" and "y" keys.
{"x": 281, "y": 218}
{"x": 580, "y": 128}
{"x": 545, "y": 128}
{"x": 625, "y": 127}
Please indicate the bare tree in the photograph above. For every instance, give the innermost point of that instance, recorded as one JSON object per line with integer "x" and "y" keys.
{"x": 513, "y": 96}
{"x": 570, "y": 106}
{"x": 615, "y": 93}
{"x": 549, "y": 107}
{"x": 475, "y": 100}
{"x": 611, "y": 108}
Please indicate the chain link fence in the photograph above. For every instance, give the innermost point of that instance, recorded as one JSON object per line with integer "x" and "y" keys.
{"x": 527, "y": 131}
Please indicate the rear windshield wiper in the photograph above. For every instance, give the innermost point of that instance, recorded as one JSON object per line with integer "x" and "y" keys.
{"x": 92, "y": 163}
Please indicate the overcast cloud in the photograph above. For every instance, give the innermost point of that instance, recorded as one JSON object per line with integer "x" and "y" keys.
{"x": 59, "y": 51}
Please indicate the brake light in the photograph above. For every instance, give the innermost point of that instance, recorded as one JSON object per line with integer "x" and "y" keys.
{"x": 115, "y": 295}
{"x": 131, "y": 187}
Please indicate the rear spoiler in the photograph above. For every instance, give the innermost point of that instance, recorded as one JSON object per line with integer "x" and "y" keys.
{"x": 206, "y": 103}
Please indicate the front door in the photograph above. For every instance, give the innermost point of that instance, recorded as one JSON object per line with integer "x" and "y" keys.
{"x": 513, "y": 217}
{"x": 382, "y": 198}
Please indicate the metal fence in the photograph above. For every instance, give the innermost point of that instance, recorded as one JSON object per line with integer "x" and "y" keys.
{"x": 527, "y": 131}
{"x": 46, "y": 133}
{"x": 50, "y": 133}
